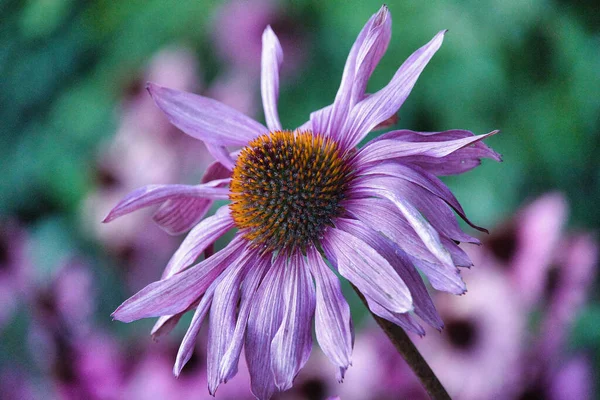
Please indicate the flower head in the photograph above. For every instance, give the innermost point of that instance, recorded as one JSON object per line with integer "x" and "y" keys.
{"x": 378, "y": 214}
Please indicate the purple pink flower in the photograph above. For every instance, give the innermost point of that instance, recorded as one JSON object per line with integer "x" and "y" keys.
{"x": 377, "y": 214}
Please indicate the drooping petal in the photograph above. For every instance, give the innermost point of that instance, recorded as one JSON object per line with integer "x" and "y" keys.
{"x": 175, "y": 294}
{"x": 202, "y": 236}
{"x": 387, "y": 188}
{"x": 223, "y": 316}
{"x": 205, "y": 119}
{"x": 292, "y": 342}
{"x": 332, "y": 314}
{"x": 385, "y": 149}
{"x": 444, "y": 279}
{"x": 229, "y": 361}
{"x": 155, "y": 194}
{"x": 265, "y": 318}
{"x": 423, "y": 304}
{"x": 405, "y": 320}
{"x": 425, "y": 180}
{"x": 380, "y": 106}
{"x": 272, "y": 57}
{"x": 367, "y": 270}
{"x": 165, "y": 324}
{"x": 186, "y": 348}
{"x": 177, "y": 216}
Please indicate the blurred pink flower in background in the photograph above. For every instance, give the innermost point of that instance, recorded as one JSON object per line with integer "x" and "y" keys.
{"x": 15, "y": 269}
{"x": 238, "y": 30}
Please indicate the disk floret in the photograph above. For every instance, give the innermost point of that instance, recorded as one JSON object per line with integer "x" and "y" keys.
{"x": 287, "y": 188}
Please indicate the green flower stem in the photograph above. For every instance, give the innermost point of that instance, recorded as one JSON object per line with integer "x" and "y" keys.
{"x": 415, "y": 360}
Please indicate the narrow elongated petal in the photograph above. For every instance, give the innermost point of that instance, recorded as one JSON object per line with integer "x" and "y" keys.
{"x": 272, "y": 57}
{"x": 165, "y": 324}
{"x": 457, "y": 162}
{"x": 367, "y": 270}
{"x": 425, "y": 180}
{"x": 367, "y": 50}
{"x": 385, "y": 149}
{"x": 202, "y": 236}
{"x": 223, "y": 316}
{"x": 186, "y": 348}
{"x": 383, "y": 104}
{"x": 423, "y": 304}
{"x": 229, "y": 361}
{"x": 265, "y": 319}
{"x": 333, "y": 324}
{"x": 205, "y": 119}
{"x": 387, "y": 188}
{"x": 175, "y": 294}
{"x": 292, "y": 343}
{"x": 405, "y": 320}
{"x": 155, "y": 194}
{"x": 221, "y": 154}
{"x": 444, "y": 279}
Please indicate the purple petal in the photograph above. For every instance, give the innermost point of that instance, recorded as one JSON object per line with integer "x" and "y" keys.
{"x": 202, "y": 236}
{"x": 388, "y": 188}
{"x": 221, "y": 154}
{"x": 425, "y": 180}
{"x": 382, "y": 105}
{"x": 165, "y": 325}
{"x": 229, "y": 361}
{"x": 444, "y": 279}
{"x": 175, "y": 294}
{"x": 177, "y": 216}
{"x": 292, "y": 342}
{"x": 457, "y": 162}
{"x": 272, "y": 57}
{"x": 205, "y": 119}
{"x": 332, "y": 314}
{"x": 223, "y": 317}
{"x": 265, "y": 318}
{"x": 385, "y": 149}
{"x": 188, "y": 343}
{"x": 405, "y": 320}
{"x": 155, "y": 194}
{"x": 423, "y": 304}
{"x": 367, "y": 270}
{"x": 367, "y": 50}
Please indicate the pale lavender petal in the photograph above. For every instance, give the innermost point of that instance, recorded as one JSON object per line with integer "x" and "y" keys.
{"x": 165, "y": 324}
{"x": 459, "y": 257}
{"x": 223, "y": 316}
{"x": 265, "y": 318}
{"x": 423, "y": 304}
{"x": 381, "y": 215}
{"x": 202, "y": 236}
{"x": 367, "y": 270}
{"x": 188, "y": 343}
{"x": 383, "y": 104}
{"x": 457, "y": 162}
{"x": 272, "y": 57}
{"x": 177, "y": 216}
{"x": 405, "y": 320}
{"x": 155, "y": 194}
{"x": 367, "y": 50}
{"x": 292, "y": 342}
{"x": 221, "y": 154}
{"x": 444, "y": 279}
{"x": 175, "y": 294}
{"x": 205, "y": 119}
{"x": 388, "y": 188}
{"x": 332, "y": 314}
{"x": 427, "y": 181}
{"x": 385, "y": 149}
{"x": 229, "y": 361}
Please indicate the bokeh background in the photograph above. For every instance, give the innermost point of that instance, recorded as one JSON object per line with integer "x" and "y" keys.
{"x": 78, "y": 132}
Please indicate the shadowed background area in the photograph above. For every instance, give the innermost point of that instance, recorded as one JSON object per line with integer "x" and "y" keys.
{"x": 78, "y": 132}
